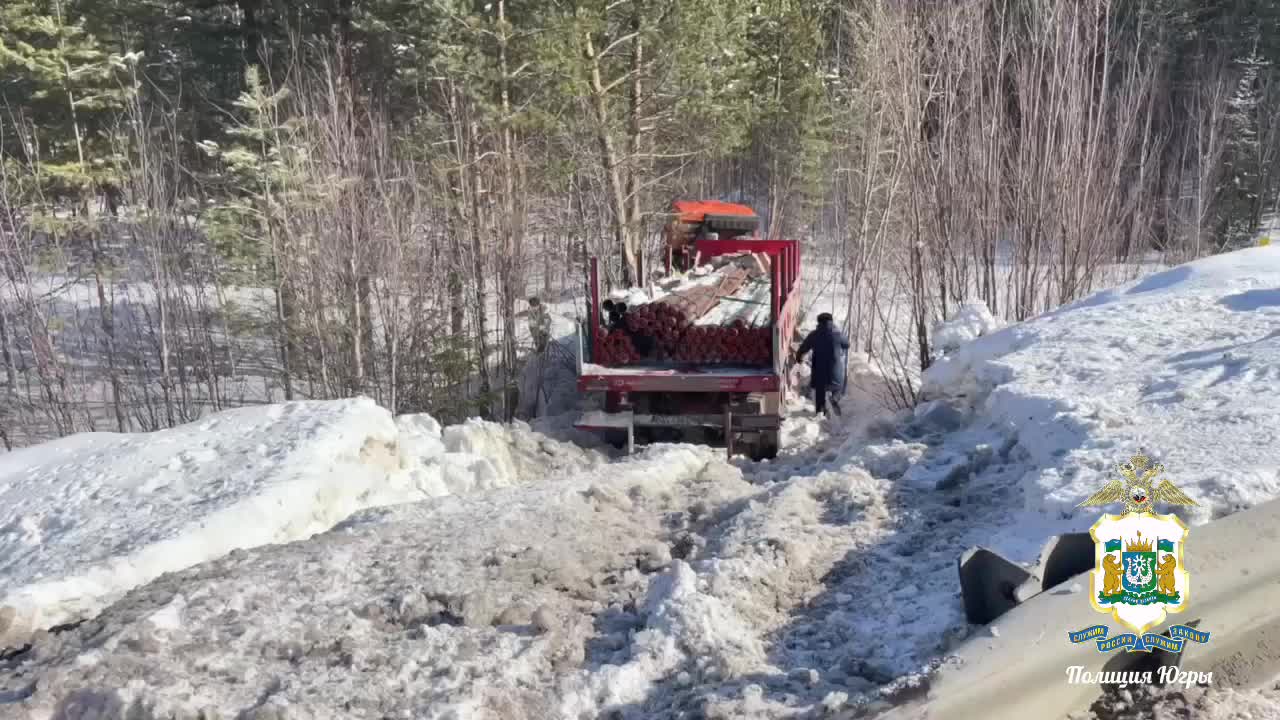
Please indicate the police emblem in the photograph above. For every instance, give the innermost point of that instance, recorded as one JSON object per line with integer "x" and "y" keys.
{"x": 1139, "y": 576}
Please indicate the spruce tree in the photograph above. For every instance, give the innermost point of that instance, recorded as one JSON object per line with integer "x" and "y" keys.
{"x": 66, "y": 89}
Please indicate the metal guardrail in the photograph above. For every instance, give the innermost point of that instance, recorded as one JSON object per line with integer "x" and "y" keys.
{"x": 1022, "y": 671}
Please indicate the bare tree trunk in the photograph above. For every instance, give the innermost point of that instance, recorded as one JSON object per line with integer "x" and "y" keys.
{"x": 478, "y": 283}
{"x": 251, "y": 22}
{"x": 107, "y": 322}
{"x": 358, "y": 320}
{"x": 6, "y": 353}
{"x": 511, "y": 259}
{"x": 546, "y": 266}
{"x": 285, "y": 310}
{"x": 621, "y": 221}
{"x": 635, "y": 137}
{"x": 457, "y": 306}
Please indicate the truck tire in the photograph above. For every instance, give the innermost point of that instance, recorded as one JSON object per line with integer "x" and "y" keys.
{"x": 766, "y": 448}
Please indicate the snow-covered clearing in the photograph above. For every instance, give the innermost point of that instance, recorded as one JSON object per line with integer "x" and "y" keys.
{"x": 674, "y": 583}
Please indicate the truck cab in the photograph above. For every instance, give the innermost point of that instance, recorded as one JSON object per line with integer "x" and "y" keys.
{"x": 697, "y": 220}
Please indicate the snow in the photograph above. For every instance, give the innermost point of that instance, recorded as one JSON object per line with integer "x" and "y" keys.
{"x": 1176, "y": 701}
{"x": 507, "y": 575}
{"x": 633, "y": 297}
{"x": 661, "y": 287}
{"x": 970, "y": 322}
{"x": 465, "y": 606}
{"x": 1182, "y": 364}
{"x": 89, "y": 517}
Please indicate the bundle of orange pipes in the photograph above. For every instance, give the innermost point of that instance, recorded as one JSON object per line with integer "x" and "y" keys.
{"x": 615, "y": 349}
{"x": 736, "y": 344}
{"x": 665, "y": 331}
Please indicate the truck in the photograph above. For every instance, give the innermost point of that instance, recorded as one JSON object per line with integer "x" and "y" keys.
{"x": 737, "y": 405}
{"x": 702, "y": 220}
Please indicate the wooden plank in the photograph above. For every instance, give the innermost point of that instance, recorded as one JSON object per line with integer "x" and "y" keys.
{"x": 696, "y": 301}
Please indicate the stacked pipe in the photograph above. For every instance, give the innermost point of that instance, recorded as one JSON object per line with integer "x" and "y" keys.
{"x": 665, "y": 321}
{"x": 685, "y": 306}
{"x": 615, "y": 348}
{"x": 735, "y": 344}
{"x": 674, "y": 328}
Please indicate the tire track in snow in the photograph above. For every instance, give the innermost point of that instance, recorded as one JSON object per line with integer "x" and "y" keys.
{"x": 848, "y": 578}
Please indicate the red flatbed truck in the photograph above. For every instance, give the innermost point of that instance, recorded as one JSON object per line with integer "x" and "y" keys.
{"x": 739, "y": 407}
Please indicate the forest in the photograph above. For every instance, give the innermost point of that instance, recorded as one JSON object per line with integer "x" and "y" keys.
{"x": 208, "y": 203}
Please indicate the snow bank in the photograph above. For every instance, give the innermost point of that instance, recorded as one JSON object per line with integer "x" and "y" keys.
{"x": 970, "y": 322}
{"x": 511, "y": 604}
{"x": 1182, "y": 364}
{"x": 666, "y": 584}
{"x": 85, "y": 519}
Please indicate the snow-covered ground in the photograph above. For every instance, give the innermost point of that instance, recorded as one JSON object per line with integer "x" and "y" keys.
{"x": 670, "y": 584}
{"x": 463, "y": 607}
{"x": 86, "y": 518}
{"x": 1184, "y": 363}
{"x": 1198, "y": 703}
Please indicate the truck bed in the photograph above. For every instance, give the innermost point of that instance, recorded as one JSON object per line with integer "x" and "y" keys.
{"x": 782, "y": 308}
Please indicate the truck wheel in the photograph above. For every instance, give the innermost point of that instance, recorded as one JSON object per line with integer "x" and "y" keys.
{"x": 766, "y": 448}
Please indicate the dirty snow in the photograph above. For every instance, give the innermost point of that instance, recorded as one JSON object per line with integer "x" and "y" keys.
{"x": 86, "y": 518}
{"x": 525, "y": 602}
{"x": 1201, "y": 703}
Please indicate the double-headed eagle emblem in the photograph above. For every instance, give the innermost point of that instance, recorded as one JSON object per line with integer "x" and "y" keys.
{"x": 1136, "y": 491}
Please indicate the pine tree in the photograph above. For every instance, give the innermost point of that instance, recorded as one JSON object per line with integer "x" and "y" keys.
{"x": 651, "y": 86}
{"x": 790, "y": 109}
{"x": 67, "y": 89}
{"x": 1240, "y": 206}
{"x": 246, "y": 228}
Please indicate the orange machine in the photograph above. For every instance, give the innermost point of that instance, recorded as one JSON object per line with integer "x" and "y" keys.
{"x": 704, "y": 220}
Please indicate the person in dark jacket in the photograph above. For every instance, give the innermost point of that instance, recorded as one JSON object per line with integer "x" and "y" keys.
{"x": 826, "y": 375}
